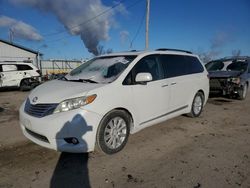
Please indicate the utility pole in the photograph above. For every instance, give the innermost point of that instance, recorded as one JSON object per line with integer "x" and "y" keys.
{"x": 11, "y": 33}
{"x": 147, "y": 23}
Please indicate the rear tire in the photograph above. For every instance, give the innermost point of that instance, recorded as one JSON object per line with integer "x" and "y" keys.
{"x": 113, "y": 132}
{"x": 24, "y": 85}
{"x": 197, "y": 105}
{"x": 243, "y": 92}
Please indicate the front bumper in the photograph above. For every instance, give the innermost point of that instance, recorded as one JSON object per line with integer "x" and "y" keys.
{"x": 52, "y": 130}
{"x": 223, "y": 86}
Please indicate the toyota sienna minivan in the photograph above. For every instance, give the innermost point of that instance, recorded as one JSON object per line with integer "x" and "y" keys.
{"x": 109, "y": 97}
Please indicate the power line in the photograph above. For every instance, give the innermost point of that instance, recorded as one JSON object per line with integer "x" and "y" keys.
{"x": 138, "y": 29}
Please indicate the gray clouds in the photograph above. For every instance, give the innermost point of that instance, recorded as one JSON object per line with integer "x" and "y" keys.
{"x": 20, "y": 29}
{"x": 80, "y": 17}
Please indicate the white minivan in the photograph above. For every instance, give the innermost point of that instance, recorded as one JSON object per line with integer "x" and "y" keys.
{"x": 105, "y": 99}
{"x": 18, "y": 74}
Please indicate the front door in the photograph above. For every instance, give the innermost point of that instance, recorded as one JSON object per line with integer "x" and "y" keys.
{"x": 150, "y": 99}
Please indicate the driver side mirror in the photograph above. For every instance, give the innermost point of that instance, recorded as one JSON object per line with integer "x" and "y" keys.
{"x": 143, "y": 78}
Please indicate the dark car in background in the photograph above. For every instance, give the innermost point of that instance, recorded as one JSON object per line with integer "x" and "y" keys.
{"x": 230, "y": 76}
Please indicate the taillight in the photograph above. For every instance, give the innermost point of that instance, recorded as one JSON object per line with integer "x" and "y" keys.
{"x": 38, "y": 71}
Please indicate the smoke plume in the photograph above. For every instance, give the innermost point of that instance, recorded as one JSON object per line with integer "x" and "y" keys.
{"x": 76, "y": 16}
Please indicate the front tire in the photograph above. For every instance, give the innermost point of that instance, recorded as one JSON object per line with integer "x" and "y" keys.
{"x": 197, "y": 105}
{"x": 113, "y": 132}
{"x": 243, "y": 92}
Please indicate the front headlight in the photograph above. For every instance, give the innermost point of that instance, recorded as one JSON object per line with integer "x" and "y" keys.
{"x": 71, "y": 104}
{"x": 234, "y": 80}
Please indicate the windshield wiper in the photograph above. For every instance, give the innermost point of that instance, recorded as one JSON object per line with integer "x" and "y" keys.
{"x": 85, "y": 80}
{"x": 63, "y": 78}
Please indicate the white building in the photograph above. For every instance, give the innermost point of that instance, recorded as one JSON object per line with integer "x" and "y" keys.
{"x": 55, "y": 66}
{"x": 10, "y": 52}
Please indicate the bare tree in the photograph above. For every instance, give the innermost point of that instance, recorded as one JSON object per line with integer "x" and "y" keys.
{"x": 109, "y": 51}
{"x": 236, "y": 53}
{"x": 101, "y": 50}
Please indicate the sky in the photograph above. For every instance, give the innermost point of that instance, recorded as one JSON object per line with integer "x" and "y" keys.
{"x": 63, "y": 29}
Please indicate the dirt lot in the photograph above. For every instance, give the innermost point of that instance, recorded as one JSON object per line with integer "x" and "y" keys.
{"x": 209, "y": 151}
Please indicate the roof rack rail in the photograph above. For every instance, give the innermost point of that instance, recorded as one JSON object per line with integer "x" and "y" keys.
{"x": 236, "y": 57}
{"x": 169, "y": 49}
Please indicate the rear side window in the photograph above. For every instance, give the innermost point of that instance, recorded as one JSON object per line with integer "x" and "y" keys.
{"x": 178, "y": 65}
{"x": 194, "y": 65}
{"x": 22, "y": 67}
{"x": 7, "y": 68}
{"x": 173, "y": 65}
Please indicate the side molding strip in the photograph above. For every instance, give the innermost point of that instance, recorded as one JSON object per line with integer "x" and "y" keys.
{"x": 181, "y": 108}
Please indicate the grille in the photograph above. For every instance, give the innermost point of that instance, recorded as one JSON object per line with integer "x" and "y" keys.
{"x": 37, "y": 136}
{"x": 218, "y": 83}
{"x": 39, "y": 110}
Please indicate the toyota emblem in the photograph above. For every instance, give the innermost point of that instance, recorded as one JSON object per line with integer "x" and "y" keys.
{"x": 34, "y": 99}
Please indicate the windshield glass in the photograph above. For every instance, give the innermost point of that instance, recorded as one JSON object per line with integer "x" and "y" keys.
{"x": 101, "y": 69}
{"x": 214, "y": 65}
{"x": 235, "y": 65}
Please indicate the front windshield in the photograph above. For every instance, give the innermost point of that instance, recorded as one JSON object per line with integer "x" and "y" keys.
{"x": 235, "y": 65}
{"x": 101, "y": 69}
{"x": 214, "y": 65}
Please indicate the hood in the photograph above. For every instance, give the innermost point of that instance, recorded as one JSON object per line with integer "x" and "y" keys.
{"x": 224, "y": 74}
{"x": 56, "y": 91}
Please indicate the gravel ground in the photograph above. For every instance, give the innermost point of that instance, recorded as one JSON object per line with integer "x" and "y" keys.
{"x": 209, "y": 151}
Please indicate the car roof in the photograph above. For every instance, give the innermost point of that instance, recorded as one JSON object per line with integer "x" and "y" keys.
{"x": 15, "y": 63}
{"x": 239, "y": 58}
{"x": 148, "y": 52}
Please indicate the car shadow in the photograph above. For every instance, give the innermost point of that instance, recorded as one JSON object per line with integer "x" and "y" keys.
{"x": 71, "y": 171}
{"x": 72, "y": 168}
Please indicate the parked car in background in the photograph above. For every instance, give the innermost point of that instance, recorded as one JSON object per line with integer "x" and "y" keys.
{"x": 18, "y": 74}
{"x": 105, "y": 99}
{"x": 230, "y": 76}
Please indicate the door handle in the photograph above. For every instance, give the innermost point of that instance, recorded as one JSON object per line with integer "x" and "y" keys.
{"x": 173, "y": 83}
{"x": 165, "y": 85}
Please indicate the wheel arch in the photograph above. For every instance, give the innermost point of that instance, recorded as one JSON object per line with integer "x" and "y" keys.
{"x": 125, "y": 110}
{"x": 129, "y": 113}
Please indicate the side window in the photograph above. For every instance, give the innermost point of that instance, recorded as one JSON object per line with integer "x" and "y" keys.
{"x": 193, "y": 65}
{"x": 1, "y": 69}
{"x": 22, "y": 67}
{"x": 7, "y": 68}
{"x": 173, "y": 65}
{"x": 148, "y": 64}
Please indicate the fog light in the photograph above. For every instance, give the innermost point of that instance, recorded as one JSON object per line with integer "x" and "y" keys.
{"x": 72, "y": 140}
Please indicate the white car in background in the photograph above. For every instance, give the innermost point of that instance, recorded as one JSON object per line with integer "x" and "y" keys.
{"x": 18, "y": 74}
{"x": 105, "y": 99}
